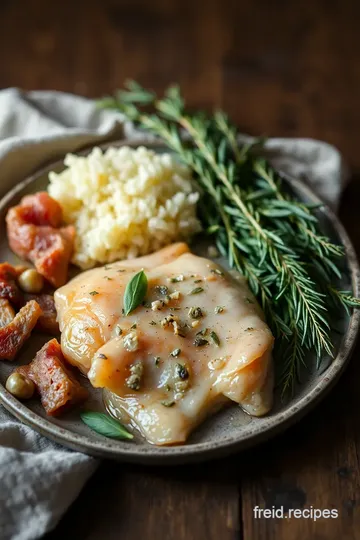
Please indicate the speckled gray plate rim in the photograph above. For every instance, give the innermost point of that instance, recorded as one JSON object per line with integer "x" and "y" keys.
{"x": 216, "y": 440}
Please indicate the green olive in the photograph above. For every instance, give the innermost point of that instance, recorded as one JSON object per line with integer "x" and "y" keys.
{"x": 31, "y": 281}
{"x": 20, "y": 386}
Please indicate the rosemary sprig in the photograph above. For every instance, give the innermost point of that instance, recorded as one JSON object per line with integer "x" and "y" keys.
{"x": 268, "y": 235}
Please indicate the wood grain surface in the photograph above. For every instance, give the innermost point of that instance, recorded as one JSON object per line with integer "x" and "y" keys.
{"x": 279, "y": 68}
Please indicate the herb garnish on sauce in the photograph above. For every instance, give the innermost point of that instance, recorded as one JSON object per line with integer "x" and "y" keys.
{"x": 105, "y": 425}
{"x": 135, "y": 292}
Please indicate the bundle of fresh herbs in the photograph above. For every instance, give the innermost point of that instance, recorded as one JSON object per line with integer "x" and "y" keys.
{"x": 267, "y": 234}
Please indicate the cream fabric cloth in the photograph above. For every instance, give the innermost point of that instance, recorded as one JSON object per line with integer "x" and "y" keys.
{"x": 39, "y": 479}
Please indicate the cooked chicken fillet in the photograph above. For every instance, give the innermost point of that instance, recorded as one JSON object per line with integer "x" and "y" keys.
{"x": 199, "y": 341}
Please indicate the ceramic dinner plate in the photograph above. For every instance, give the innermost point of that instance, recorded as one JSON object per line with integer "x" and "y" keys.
{"x": 228, "y": 431}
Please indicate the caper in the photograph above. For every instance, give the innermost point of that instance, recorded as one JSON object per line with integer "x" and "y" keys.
{"x": 20, "y": 386}
{"x": 31, "y": 281}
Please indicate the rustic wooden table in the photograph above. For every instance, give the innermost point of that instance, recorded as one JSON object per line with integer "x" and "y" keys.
{"x": 279, "y": 68}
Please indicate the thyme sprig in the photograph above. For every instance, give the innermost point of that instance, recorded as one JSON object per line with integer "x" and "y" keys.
{"x": 267, "y": 234}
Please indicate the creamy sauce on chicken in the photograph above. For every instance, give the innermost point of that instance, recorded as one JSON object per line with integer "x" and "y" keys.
{"x": 198, "y": 341}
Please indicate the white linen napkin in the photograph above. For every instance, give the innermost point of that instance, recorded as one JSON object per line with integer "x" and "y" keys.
{"x": 38, "y": 478}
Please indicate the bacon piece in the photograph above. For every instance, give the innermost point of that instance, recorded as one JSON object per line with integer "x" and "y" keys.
{"x": 58, "y": 388}
{"x": 8, "y": 285}
{"x": 7, "y": 312}
{"x": 41, "y": 209}
{"x": 14, "y": 334}
{"x": 47, "y": 322}
{"x": 35, "y": 233}
{"x": 52, "y": 253}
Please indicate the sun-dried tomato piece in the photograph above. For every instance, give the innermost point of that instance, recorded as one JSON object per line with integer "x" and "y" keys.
{"x": 57, "y": 386}
{"x": 7, "y": 312}
{"x": 8, "y": 284}
{"x": 47, "y": 322}
{"x": 35, "y": 234}
{"x": 14, "y": 334}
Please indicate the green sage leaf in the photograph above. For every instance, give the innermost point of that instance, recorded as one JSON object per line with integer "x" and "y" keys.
{"x": 105, "y": 425}
{"x": 135, "y": 292}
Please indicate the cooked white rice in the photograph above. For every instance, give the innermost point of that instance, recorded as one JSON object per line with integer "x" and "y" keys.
{"x": 124, "y": 203}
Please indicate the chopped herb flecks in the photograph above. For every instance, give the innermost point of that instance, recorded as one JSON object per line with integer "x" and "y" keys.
{"x": 202, "y": 332}
{"x": 176, "y": 279}
{"x": 157, "y": 305}
{"x": 93, "y": 293}
{"x": 175, "y": 352}
{"x": 200, "y": 342}
{"x": 181, "y": 386}
{"x": 197, "y": 290}
{"x": 219, "y": 309}
{"x": 162, "y": 289}
{"x": 167, "y": 321}
{"x": 131, "y": 341}
{"x": 215, "y": 338}
{"x": 182, "y": 372}
{"x": 168, "y": 403}
{"x": 179, "y": 330}
{"x": 217, "y": 271}
{"x": 134, "y": 380}
{"x": 195, "y": 313}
